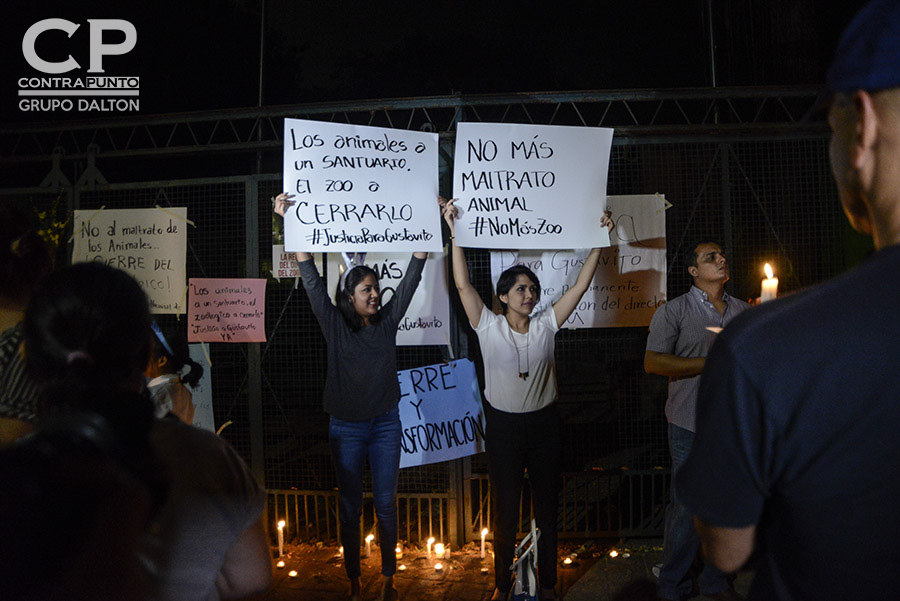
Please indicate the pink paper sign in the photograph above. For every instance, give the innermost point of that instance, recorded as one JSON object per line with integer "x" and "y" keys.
{"x": 226, "y": 310}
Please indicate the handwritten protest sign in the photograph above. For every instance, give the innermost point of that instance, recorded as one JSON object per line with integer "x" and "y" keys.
{"x": 360, "y": 188}
{"x": 530, "y": 186}
{"x": 428, "y": 317}
{"x": 630, "y": 281}
{"x": 150, "y": 244}
{"x": 201, "y": 394}
{"x": 440, "y": 412}
{"x": 226, "y": 310}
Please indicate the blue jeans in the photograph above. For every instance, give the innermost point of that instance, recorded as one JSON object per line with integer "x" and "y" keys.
{"x": 681, "y": 541}
{"x": 379, "y": 439}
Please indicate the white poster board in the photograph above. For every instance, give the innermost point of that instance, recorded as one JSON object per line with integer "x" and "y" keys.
{"x": 150, "y": 244}
{"x": 440, "y": 413}
{"x": 201, "y": 394}
{"x": 360, "y": 188}
{"x": 427, "y": 320}
{"x": 530, "y": 186}
{"x": 630, "y": 281}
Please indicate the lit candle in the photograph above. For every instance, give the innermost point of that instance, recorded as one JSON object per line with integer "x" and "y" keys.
{"x": 484, "y": 532}
{"x": 438, "y": 567}
{"x": 292, "y": 573}
{"x": 398, "y": 551}
{"x": 369, "y": 540}
{"x": 341, "y": 551}
{"x": 769, "y": 286}
{"x": 439, "y": 550}
{"x": 402, "y": 567}
{"x": 279, "y": 565}
{"x": 280, "y": 538}
{"x": 429, "y": 542}
{"x": 613, "y": 553}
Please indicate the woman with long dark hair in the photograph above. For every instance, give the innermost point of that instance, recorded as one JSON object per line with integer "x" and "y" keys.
{"x": 87, "y": 341}
{"x": 524, "y": 430}
{"x": 361, "y": 396}
{"x": 170, "y": 383}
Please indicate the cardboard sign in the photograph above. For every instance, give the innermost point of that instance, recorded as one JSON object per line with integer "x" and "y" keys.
{"x": 360, "y": 188}
{"x": 530, "y": 186}
{"x": 630, "y": 281}
{"x": 150, "y": 244}
{"x": 226, "y": 310}
{"x": 427, "y": 320}
{"x": 440, "y": 411}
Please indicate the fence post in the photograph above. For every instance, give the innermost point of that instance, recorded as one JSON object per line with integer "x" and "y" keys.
{"x": 254, "y": 359}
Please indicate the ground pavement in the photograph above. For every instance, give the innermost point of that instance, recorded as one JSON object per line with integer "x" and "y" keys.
{"x": 595, "y": 574}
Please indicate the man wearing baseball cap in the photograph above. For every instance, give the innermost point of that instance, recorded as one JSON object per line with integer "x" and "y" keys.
{"x": 797, "y": 454}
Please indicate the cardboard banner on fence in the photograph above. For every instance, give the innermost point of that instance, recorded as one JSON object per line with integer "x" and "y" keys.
{"x": 530, "y": 186}
{"x": 359, "y": 188}
{"x": 630, "y": 281}
{"x": 427, "y": 320}
{"x": 227, "y": 310}
{"x": 440, "y": 411}
{"x": 150, "y": 244}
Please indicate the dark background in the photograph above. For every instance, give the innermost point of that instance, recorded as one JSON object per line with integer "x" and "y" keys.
{"x": 199, "y": 55}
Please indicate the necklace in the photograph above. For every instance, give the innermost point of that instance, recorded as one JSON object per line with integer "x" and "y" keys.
{"x": 523, "y": 373}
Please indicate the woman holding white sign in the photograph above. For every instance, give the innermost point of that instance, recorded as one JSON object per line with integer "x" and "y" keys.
{"x": 361, "y": 396}
{"x": 523, "y": 423}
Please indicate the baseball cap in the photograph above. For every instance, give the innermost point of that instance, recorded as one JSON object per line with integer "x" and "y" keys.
{"x": 868, "y": 53}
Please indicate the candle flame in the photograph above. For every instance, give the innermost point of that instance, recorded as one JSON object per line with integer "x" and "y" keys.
{"x": 292, "y": 573}
{"x": 438, "y": 567}
{"x": 484, "y": 532}
{"x": 279, "y": 565}
{"x": 567, "y": 560}
{"x": 430, "y": 541}
{"x": 769, "y": 273}
{"x": 281, "y": 524}
{"x": 402, "y": 567}
{"x": 370, "y": 538}
{"x": 613, "y": 553}
{"x": 439, "y": 548}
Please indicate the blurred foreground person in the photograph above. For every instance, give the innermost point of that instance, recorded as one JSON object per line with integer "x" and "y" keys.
{"x": 797, "y": 449}
{"x": 87, "y": 339}
{"x": 25, "y": 260}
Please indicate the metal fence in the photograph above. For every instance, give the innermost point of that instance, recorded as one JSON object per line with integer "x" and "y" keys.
{"x": 738, "y": 169}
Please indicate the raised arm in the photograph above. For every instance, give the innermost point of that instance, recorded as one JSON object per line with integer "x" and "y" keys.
{"x": 282, "y": 202}
{"x": 567, "y": 303}
{"x": 471, "y": 301}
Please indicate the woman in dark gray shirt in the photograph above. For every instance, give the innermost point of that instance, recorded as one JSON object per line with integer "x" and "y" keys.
{"x": 361, "y": 396}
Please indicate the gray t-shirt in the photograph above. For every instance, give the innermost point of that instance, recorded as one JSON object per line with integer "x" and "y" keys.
{"x": 212, "y": 499}
{"x": 679, "y": 328}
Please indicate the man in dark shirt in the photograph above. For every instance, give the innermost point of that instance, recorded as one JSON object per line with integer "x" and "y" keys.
{"x": 797, "y": 448}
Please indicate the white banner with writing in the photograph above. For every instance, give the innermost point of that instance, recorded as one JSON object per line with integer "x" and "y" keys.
{"x": 427, "y": 320}
{"x": 150, "y": 244}
{"x": 530, "y": 186}
{"x": 630, "y": 281}
{"x": 360, "y": 188}
{"x": 440, "y": 412}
